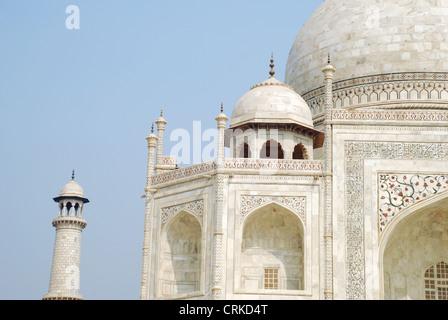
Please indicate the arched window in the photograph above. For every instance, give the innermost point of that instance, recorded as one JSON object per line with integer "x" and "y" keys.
{"x": 68, "y": 208}
{"x": 436, "y": 282}
{"x": 245, "y": 151}
{"x": 271, "y": 149}
{"x": 300, "y": 152}
{"x": 76, "y": 208}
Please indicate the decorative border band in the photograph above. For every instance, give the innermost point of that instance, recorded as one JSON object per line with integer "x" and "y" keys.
{"x": 390, "y": 115}
{"x": 411, "y": 86}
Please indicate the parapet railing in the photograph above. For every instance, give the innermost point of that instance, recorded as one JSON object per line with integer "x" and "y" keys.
{"x": 237, "y": 165}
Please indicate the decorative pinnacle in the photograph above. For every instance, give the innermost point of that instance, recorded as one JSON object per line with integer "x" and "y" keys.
{"x": 152, "y": 128}
{"x": 161, "y": 112}
{"x": 329, "y": 59}
{"x": 222, "y": 107}
{"x": 73, "y": 174}
{"x": 272, "y": 72}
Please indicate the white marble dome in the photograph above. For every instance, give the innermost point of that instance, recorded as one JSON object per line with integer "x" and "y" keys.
{"x": 271, "y": 102}
{"x": 72, "y": 189}
{"x": 369, "y": 37}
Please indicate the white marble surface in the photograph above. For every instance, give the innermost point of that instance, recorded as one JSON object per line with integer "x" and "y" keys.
{"x": 368, "y": 37}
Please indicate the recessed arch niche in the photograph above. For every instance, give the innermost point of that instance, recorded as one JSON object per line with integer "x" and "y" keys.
{"x": 272, "y": 253}
{"x": 416, "y": 241}
{"x": 181, "y": 255}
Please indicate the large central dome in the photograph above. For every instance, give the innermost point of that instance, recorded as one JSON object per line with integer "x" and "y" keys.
{"x": 370, "y": 37}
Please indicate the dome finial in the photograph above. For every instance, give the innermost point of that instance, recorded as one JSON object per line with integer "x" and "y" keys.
{"x": 222, "y": 107}
{"x": 73, "y": 174}
{"x": 152, "y": 128}
{"x": 329, "y": 58}
{"x": 272, "y": 72}
{"x": 161, "y": 112}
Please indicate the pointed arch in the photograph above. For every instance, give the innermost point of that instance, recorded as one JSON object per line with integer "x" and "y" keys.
{"x": 408, "y": 247}
{"x": 76, "y": 209}
{"x": 181, "y": 255}
{"x": 68, "y": 207}
{"x": 272, "y": 149}
{"x": 296, "y": 205}
{"x": 272, "y": 253}
{"x": 300, "y": 152}
{"x": 244, "y": 151}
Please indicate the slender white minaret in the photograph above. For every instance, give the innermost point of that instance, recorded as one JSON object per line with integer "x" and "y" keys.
{"x": 221, "y": 119}
{"x": 161, "y": 122}
{"x": 328, "y": 71}
{"x": 218, "y": 232}
{"x": 65, "y": 269}
{"x": 149, "y": 196}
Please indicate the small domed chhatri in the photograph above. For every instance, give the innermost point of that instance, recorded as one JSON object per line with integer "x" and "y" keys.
{"x": 271, "y": 102}
{"x": 72, "y": 190}
{"x": 272, "y": 108}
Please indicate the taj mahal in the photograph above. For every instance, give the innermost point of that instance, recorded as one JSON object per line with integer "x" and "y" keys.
{"x": 330, "y": 184}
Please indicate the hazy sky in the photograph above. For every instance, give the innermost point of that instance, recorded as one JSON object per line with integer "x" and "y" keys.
{"x": 85, "y": 99}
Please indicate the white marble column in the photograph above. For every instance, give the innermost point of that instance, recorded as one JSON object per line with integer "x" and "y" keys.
{"x": 218, "y": 233}
{"x": 152, "y": 140}
{"x": 328, "y": 71}
{"x": 160, "y": 133}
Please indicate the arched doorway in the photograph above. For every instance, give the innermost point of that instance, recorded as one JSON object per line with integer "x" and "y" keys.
{"x": 272, "y": 250}
{"x": 417, "y": 242}
{"x": 181, "y": 256}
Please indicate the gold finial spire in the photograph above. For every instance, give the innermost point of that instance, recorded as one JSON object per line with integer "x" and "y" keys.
{"x": 272, "y": 72}
{"x": 152, "y": 128}
{"x": 161, "y": 112}
{"x": 329, "y": 58}
{"x": 222, "y": 107}
{"x": 73, "y": 174}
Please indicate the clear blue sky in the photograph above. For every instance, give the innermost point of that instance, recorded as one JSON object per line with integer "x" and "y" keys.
{"x": 85, "y": 100}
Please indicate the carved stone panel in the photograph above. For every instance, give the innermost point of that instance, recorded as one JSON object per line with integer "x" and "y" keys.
{"x": 295, "y": 204}
{"x": 355, "y": 154}
{"x": 194, "y": 207}
{"x": 397, "y": 192}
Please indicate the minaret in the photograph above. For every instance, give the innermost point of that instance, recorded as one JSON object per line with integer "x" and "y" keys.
{"x": 65, "y": 269}
{"x": 221, "y": 119}
{"x": 149, "y": 196}
{"x": 328, "y": 71}
{"x": 160, "y": 133}
{"x": 218, "y": 282}
{"x": 152, "y": 142}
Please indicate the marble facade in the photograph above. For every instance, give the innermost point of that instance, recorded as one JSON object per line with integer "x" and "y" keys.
{"x": 353, "y": 204}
